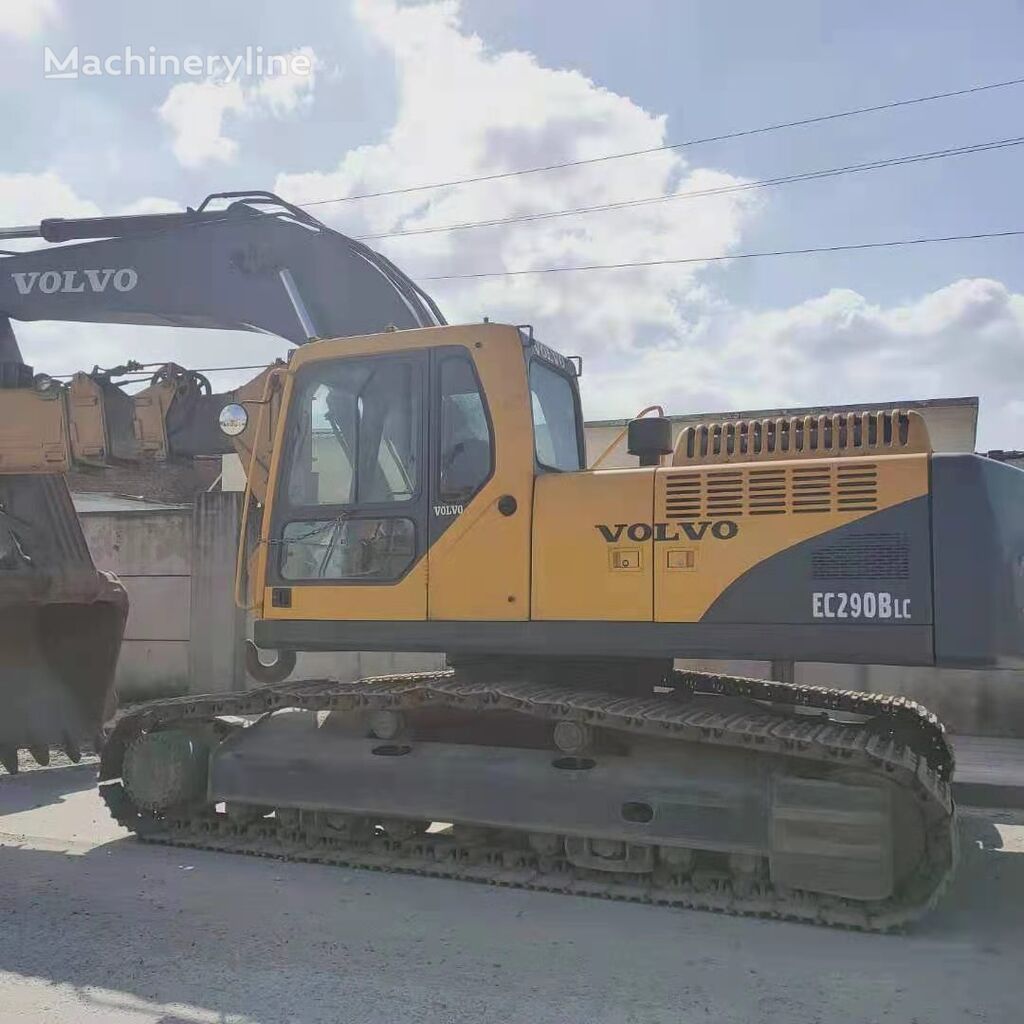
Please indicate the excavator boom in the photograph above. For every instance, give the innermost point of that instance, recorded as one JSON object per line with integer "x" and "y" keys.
{"x": 258, "y": 264}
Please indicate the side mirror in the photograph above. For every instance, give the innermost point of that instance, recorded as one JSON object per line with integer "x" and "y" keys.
{"x": 233, "y": 419}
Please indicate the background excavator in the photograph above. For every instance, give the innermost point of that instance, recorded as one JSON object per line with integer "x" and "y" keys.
{"x": 415, "y": 486}
{"x": 61, "y": 620}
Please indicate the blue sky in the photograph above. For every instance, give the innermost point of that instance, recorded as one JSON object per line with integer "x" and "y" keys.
{"x": 722, "y": 66}
{"x": 416, "y": 92}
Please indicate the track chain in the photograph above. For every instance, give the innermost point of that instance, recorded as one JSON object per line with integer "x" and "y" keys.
{"x": 900, "y": 739}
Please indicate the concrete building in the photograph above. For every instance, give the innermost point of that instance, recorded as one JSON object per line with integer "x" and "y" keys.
{"x": 177, "y": 561}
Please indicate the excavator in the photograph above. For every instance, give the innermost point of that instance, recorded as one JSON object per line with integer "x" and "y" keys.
{"x": 419, "y": 486}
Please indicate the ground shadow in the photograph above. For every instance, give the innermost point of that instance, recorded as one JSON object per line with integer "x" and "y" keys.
{"x": 987, "y": 891}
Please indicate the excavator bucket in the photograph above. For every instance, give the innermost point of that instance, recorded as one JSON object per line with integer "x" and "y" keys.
{"x": 61, "y": 624}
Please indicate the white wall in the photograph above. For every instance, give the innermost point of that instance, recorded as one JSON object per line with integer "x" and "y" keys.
{"x": 151, "y": 551}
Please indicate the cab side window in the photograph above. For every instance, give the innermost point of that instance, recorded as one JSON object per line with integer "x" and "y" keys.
{"x": 466, "y": 451}
{"x": 556, "y": 438}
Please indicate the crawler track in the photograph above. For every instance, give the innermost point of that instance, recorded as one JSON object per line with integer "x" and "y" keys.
{"x": 897, "y": 739}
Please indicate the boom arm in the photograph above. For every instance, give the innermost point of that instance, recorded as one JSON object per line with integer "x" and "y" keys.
{"x": 258, "y": 264}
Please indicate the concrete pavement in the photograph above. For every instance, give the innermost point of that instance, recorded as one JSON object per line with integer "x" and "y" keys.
{"x": 97, "y": 927}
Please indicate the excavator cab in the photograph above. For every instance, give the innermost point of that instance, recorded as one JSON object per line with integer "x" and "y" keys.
{"x": 403, "y": 480}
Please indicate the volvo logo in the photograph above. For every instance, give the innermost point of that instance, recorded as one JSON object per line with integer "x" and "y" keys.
{"x": 720, "y": 529}
{"x": 49, "y": 282}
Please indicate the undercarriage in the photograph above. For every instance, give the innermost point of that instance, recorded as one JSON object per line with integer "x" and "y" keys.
{"x": 717, "y": 792}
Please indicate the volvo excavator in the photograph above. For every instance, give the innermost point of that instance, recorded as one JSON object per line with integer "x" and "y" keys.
{"x": 416, "y": 486}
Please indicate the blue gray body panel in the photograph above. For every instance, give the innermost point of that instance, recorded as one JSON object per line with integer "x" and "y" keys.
{"x": 978, "y": 553}
{"x": 887, "y": 553}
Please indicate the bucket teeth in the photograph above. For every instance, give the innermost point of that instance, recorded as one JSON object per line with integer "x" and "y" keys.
{"x": 41, "y": 753}
{"x": 9, "y": 759}
{"x": 71, "y": 749}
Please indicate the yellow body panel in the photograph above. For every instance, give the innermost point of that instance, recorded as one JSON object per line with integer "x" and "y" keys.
{"x": 610, "y": 546}
{"x": 690, "y": 575}
{"x": 149, "y": 416}
{"x": 577, "y": 573}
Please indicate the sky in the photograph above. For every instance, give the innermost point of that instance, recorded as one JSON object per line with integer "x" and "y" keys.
{"x": 397, "y": 94}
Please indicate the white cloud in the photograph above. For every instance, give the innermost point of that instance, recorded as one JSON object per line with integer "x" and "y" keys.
{"x": 29, "y": 198}
{"x": 150, "y": 204}
{"x": 283, "y": 94}
{"x": 198, "y": 112}
{"x": 195, "y": 112}
{"x": 55, "y": 347}
{"x": 25, "y": 19}
{"x": 964, "y": 339}
{"x": 464, "y": 110}
{"x": 647, "y": 335}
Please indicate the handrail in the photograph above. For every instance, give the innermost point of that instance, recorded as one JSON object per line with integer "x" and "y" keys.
{"x": 241, "y": 601}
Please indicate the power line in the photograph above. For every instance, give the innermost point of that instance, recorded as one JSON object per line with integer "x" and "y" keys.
{"x": 831, "y": 172}
{"x": 743, "y": 133}
{"x": 733, "y": 256}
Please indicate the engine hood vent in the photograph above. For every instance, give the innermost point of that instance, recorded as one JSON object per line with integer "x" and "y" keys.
{"x": 870, "y": 434}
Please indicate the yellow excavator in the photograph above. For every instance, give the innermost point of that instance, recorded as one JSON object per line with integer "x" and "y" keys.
{"x": 415, "y": 486}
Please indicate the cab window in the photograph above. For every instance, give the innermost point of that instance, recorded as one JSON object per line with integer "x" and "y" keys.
{"x": 358, "y": 439}
{"x": 466, "y": 452}
{"x": 353, "y": 476}
{"x": 554, "y": 419}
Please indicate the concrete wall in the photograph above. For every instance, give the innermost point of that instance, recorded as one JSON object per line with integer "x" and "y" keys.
{"x": 184, "y": 632}
{"x": 150, "y": 548}
{"x": 218, "y": 624}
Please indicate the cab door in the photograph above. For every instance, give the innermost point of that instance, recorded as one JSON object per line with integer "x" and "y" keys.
{"x": 481, "y": 479}
{"x": 349, "y": 533}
